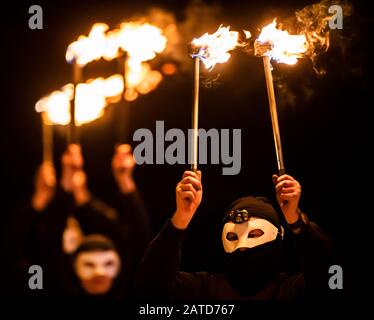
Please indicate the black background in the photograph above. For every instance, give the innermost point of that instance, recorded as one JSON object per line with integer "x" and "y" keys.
{"x": 325, "y": 132}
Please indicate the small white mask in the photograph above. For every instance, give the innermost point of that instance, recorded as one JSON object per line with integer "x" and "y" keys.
{"x": 97, "y": 263}
{"x": 249, "y": 234}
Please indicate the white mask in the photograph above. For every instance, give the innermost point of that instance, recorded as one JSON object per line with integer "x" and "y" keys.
{"x": 90, "y": 264}
{"x": 248, "y": 234}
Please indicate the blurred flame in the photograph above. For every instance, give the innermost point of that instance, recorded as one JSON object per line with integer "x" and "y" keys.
{"x": 91, "y": 100}
{"x": 285, "y": 48}
{"x": 213, "y": 48}
{"x": 98, "y": 44}
{"x": 313, "y": 21}
{"x": 169, "y": 69}
{"x": 57, "y": 105}
{"x": 142, "y": 42}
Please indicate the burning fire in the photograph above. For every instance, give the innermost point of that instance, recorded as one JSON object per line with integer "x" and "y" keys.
{"x": 141, "y": 41}
{"x": 214, "y": 48}
{"x": 56, "y": 105}
{"x": 283, "y": 47}
{"x": 98, "y": 44}
{"x": 140, "y": 78}
{"x": 91, "y": 100}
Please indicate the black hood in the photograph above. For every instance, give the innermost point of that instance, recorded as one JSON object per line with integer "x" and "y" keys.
{"x": 249, "y": 270}
{"x": 256, "y": 206}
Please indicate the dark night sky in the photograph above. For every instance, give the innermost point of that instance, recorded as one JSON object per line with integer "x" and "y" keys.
{"x": 325, "y": 133}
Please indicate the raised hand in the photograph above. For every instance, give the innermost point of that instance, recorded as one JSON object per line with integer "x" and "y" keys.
{"x": 189, "y": 193}
{"x": 288, "y": 191}
{"x": 45, "y": 186}
{"x": 123, "y": 165}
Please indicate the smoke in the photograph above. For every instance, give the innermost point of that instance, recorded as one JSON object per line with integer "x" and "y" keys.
{"x": 210, "y": 82}
{"x": 200, "y": 17}
{"x": 197, "y": 19}
{"x": 293, "y": 93}
{"x": 314, "y": 22}
{"x": 166, "y": 21}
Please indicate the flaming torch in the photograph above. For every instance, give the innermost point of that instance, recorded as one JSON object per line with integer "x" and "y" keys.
{"x": 139, "y": 42}
{"x": 282, "y": 47}
{"x": 91, "y": 99}
{"x": 210, "y": 49}
{"x": 83, "y": 51}
{"x": 133, "y": 43}
{"x": 54, "y": 109}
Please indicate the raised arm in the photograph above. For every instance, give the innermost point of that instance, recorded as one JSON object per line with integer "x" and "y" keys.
{"x": 158, "y": 272}
{"x": 315, "y": 248}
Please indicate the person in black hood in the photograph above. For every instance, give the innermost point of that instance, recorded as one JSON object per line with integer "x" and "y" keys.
{"x": 97, "y": 266}
{"x": 252, "y": 239}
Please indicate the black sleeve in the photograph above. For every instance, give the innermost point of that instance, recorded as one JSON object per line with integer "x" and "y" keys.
{"x": 317, "y": 254}
{"x": 158, "y": 276}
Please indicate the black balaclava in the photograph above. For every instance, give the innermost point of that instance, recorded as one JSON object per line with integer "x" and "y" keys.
{"x": 250, "y": 270}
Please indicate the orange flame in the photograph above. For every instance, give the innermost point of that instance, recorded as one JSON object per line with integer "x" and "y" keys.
{"x": 91, "y": 99}
{"x": 285, "y": 48}
{"x": 142, "y": 42}
{"x": 56, "y": 105}
{"x": 98, "y": 44}
{"x": 214, "y": 48}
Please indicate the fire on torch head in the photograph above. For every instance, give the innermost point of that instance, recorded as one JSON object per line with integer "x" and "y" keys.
{"x": 262, "y": 48}
{"x": 194, "y": 49}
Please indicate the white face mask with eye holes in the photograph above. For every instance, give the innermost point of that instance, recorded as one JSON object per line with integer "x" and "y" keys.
{"x": 249, "y": 234}
{"x": 90, "y": 264}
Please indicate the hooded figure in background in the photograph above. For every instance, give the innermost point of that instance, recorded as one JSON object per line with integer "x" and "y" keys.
{"x": 252, "y": 239}
{"x": 65, "y": 222}
{"x": 97, "y": 266}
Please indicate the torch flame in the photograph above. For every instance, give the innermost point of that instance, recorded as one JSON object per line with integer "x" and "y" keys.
{"x": 56, "y": 105}
{"x": 98, "y": 44}
{"x": 91, "y": 100}
{"x": 142, "y": 42}
{"x": 214, "y": 48}
{"x": 285, "y": 48}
